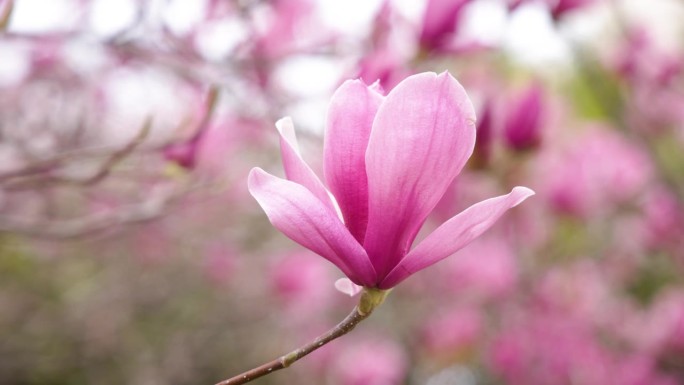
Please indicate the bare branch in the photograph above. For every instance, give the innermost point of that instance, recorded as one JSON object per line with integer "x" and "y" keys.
{"x": 370, "y": 299}
{"x": 6, "y": 15}
{"x": 36, "y": 173}
{"x": 92, "y": 224}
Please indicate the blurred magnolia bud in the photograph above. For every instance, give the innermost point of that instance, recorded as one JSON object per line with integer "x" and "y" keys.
{"x": 184, "y": 153}
{"x": 440, "y": 23}
{"x": 559, "y": 8}
{"x": 483, "y": 145}
{"x": 523, "y": 121}
{"x": 385, "y": 66}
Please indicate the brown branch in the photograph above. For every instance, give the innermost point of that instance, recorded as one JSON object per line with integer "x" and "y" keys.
{"x": 65, "y": 229}
{"x": 35, "y": 177}
{"x": 370, "y": 299}
{"x": 6, "y": 15}
{"x": 58, "y": 160}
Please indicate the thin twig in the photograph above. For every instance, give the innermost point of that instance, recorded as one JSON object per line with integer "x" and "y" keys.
{"x": 6, "y": 15}
{"x": 103, "y": 171}
{"x": 370, "y": 299}
{"x": 66, "y": 229}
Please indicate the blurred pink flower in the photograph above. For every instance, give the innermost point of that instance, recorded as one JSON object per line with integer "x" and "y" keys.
{"x": 298, "y": 280}
{"x": 184, "y": 153}
{"x": 222, "y": 140}
{"x": 634, "y": 61}
{"x": 561, "y": 7}
{"x": 453, "y": 332}
{"x": 513, "y": 4}
{"x": 220, "y": 263}
{"x": 664, "y": 219}
{"x": 388, "y": 161}
{"x": 563, "y": 337}
{"x": 582, "y": 290}
{"x": 440, "y": 22}
{"x": 523, "y": 123}
{"x": 660, "y": 328}
{"x": 652, "y": 72}
{"x": 599, "y": 171}
{"x": 371, "y": 361}
{"x": 283, "y": 31}
{"x": 383, "y": 65}
{"x": 485, "y": 137}
{"x": 485, "y": 269}
{"x": 544, "y": 349}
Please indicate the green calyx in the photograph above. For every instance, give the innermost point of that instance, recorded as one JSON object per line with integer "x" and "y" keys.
{"x": 370, "y": 299}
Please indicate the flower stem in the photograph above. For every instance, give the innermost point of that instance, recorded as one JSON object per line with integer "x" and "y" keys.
{"x": 370, "y": 299}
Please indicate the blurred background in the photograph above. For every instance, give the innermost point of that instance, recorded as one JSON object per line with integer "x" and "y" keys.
{"x": 132, "y": 253}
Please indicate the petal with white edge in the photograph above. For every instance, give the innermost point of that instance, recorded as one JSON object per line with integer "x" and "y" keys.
{"x": 298, "y": 214}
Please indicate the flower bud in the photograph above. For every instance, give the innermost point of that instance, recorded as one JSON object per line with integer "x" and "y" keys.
{"x": 522, "y": 127}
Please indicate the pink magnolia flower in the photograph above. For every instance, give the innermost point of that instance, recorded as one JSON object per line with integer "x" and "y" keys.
{"x": 388, "y": 161}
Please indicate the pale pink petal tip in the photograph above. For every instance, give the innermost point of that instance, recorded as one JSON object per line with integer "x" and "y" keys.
{"x": 285, "y": 127}
{"x": 377, "y": 87}
{"x": 346, "y": 286}
{"x": 521, "y": 193}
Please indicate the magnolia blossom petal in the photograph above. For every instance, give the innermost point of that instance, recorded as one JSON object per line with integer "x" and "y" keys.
{"x": 423, "y": 134}
{"x": 350, "y": 118}
{"x": 454, "y": 234}
{"x": 346, "y": 286}
{"x": 295, "y": 167}
{"x": 298, "y": 214}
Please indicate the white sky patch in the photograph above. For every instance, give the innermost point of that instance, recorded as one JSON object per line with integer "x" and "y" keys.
{"x": 84, "y": 57}
{"x": 309, "y": 115}
{"x": 484, "y": 21}
{"x": 182, "y": 15}
{"x": 590, "y": 27}
{"x": 110, "y": 17}
{"x": 528, "y": 36}
{"x": 217, "y": 39}
{"x": 663, "y": 18}
{"x": 351, "y": 17}
{"x": 39, "y": 16}
{"x": 307, "y": 75}
{"x": 15, "y": 64}
{"x": 134, "y": 96}
{"x": 410, "y": 9}
{"x": 531, "y": 37}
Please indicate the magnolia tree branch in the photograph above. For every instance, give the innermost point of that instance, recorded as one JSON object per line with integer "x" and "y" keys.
{"x": 370, "y": 299}
{"x": 35, "y": 174}
{"x": 5, "y": 14}
{"x": 156, "y": 205}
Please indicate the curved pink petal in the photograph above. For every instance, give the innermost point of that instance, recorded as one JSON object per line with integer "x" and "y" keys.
{"x": 295, "y": 167}
{"x": 423, "y": 134}
{"x": 350, "y": 118}
{"x": 454, "y": 234}
{"x": 298, "y": 214}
